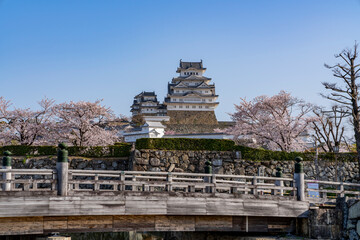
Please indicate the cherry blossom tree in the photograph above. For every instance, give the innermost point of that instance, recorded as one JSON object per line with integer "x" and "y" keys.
{"x": 85, "y": 123}
{"x": 276, "y": 122}
{"x": 24, "y": 126}
{"x": 169, "y": 132}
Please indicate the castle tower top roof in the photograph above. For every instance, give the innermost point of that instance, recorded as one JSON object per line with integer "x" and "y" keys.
{"x": 190, "y": 65}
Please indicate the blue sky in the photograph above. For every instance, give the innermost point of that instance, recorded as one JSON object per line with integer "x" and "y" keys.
{"x": 112, "y": 50}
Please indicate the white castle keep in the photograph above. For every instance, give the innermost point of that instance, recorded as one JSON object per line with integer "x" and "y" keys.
{"x": 190, "y": 91}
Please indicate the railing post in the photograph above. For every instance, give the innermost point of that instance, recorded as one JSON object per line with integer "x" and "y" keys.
{"x": 254, "y": 183}
{"x": 62, "y": 167}
{"x": 122, "y": 181}
{"x": 191, "y": 188}
{"x": 96, "y": 184}
{"x": 299, "y": 179}
{"x": 208, "y": 170}
{"x": 6, "y": 164}
{"x": 145, "y": 187}
{"x": 74, "y": 186}
{"x": 134, "y": 186}
{"x": 342, "y": 190}
{"x": 279, "y": 183}
{"x": 54, "y": 177}
{"x": 213, "y": 181}
{"x": 294, "y": 191}
{"x": 169, "y": 182}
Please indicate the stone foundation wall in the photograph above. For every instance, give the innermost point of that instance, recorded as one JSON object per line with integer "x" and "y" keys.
{"x": 228, "y": 163}
{"x": 194, "y": 162}
{"x": 352, "y": 219}
{"x": 338, "y": 222}
{"x": 326, "y": 222}
{"x": 192, "y": 121}
{"x": 49, "y": 162}
{"x": 192, "y": 117}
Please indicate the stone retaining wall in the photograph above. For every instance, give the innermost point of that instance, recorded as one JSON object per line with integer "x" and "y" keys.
{"x": 229, "y": 163}
{"x": 194, "y": 162}
{"x": 338, "y": 222}
{"x": 352, "y": 220}
{"x": 49, "y": 162}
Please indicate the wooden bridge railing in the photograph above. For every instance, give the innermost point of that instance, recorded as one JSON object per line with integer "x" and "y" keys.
{"x": 66, "y": 180}
{"x": 106, "y": 180}
{"x": 28, "y": 179}
{"x": 329, "y": 189}
{"x": 95, "y": 180}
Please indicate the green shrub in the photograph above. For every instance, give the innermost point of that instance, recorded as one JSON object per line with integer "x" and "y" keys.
{"x": 261, "y": 154}
{"x": 185, "y": 144}
{"x": 228, "y": 145}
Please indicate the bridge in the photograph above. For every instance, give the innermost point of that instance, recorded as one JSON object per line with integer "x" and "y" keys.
{"x": 40, "y": 201}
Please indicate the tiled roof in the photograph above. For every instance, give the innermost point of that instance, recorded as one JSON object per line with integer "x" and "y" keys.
{"x": 187, "y": 65}
{"x": 146, "y": 94}
{"x": 191, "y": 77}
{"x": 196, "y": 93}
{"x": 191, "y": 86}
{"x": 162, "y": 106}
{"x": 149, "y": 100}
{"x": 149, "y": 94}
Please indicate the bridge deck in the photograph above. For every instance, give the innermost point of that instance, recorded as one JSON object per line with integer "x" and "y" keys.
{"x": 147, "y": 211}
{"x": 150, "y": 203}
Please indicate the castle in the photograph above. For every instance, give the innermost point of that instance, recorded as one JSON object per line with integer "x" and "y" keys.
{"x": 191, "y": 91}
{"x": 146, "y": 103}
{"x": 191, "y": 99}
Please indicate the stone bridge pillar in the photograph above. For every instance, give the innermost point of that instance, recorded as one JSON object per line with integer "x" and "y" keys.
{"x": 299, "y": 179}
{"x": 6, "y": 164}
{"x": 62, "y": 166}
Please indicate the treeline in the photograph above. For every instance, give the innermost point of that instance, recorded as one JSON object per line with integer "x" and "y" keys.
{"x": 75, "y": 123}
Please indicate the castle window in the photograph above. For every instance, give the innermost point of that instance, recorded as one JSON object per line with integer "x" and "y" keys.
{"x": 197, "y": 73}
{"x": 174, "y": 106}
{"x": 210, "y": 100}
{"x": 206, "y": 106}
{"x": 206, "y": 91}
{"x": 187, "y": 106}
{"x": 203, "y": 100}
{"x": 200, "y": 106}
{"x": 193, "y": 106}
{"x": 180, "y": 106}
